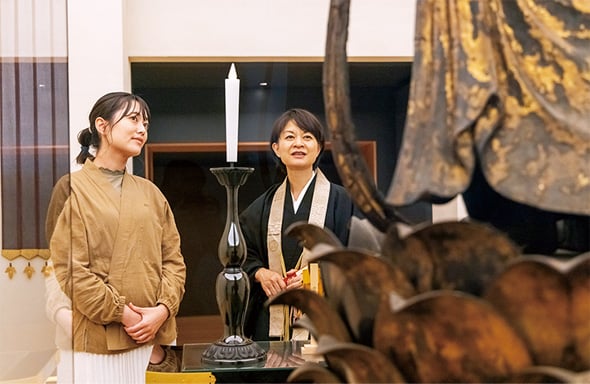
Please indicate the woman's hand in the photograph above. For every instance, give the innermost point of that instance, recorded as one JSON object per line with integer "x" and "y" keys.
{"x": 294, "y": 279}
{"x": 272, "y": 283}
{"x": 130, "y": 317}
{"x": 152, "y": 319}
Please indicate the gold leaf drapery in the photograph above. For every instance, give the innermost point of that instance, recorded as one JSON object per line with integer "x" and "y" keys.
{"x": 502, "y": 83}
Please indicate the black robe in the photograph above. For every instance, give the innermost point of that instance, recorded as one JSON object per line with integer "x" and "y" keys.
{"x": 254, "y": 225}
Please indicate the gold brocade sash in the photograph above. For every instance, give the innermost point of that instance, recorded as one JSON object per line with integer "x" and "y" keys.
{"x": 279, "y": 323}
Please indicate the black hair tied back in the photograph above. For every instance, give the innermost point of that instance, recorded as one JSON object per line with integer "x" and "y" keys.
{"x": 85, "y": 139}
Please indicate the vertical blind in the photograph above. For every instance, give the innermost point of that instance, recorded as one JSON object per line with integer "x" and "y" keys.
{"x": 34, "y": 115}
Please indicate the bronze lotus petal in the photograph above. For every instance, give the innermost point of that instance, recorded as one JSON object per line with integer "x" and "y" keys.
{"x": 358, "y": 363}
{"x": 311, "y": 372}
{"x": 325, "y": 319}
{"x": 548, "y": 303}
{"x": 368, "y": 277}
{"x": 462, "y": 256}
{"x": 450, "y": 336}
{"x": 311, "y": 235}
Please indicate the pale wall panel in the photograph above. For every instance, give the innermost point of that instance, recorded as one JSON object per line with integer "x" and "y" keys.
{"x": 33, "y": 28}
{"x": 189, "y": 28}
{"x": 97, "y": 62}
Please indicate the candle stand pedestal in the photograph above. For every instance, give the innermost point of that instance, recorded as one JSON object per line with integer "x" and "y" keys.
{"x": 232, "y": 286}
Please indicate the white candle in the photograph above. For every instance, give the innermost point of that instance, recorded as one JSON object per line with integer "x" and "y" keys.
{"x": 232, "y": 103}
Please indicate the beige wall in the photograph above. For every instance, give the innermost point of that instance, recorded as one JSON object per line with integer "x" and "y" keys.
{"x": 190, "y": 28}
{"x": 97, "y": 59}
{"x": 41, "y": 26}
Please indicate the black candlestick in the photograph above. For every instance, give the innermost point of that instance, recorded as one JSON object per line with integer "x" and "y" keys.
{"x": 232, "y": 286}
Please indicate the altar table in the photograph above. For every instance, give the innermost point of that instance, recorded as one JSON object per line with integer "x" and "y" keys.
{"x": 282, "y": 357}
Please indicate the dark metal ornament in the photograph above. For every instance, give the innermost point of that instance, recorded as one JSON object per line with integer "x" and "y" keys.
{"x": 233, "y": 285}
{"x": 350, "y": 163}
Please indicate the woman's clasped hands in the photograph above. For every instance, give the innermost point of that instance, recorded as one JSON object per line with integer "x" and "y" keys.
{"x": 142, "y": 323}
{"x": 273, "y": 283}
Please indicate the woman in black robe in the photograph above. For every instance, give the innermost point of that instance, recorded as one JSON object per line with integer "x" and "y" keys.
{"x": 297, "y": 141}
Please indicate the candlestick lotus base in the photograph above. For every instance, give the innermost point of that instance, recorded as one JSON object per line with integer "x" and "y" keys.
{"x": 232, "y": 287}
{"x": 223, "y": 353}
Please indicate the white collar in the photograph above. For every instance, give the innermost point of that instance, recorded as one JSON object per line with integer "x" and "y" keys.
{"x": 297, "y": 203}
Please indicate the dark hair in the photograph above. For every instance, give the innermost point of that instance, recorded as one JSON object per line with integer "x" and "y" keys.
{"x": 107, "y": 107}
{"x": 304, "y": 120}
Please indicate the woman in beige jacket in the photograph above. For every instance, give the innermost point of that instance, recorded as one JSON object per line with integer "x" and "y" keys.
{"x": 116, "y": 249}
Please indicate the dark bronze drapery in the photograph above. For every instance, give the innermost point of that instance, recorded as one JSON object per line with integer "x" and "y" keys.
{"x": 502, "y": 83}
